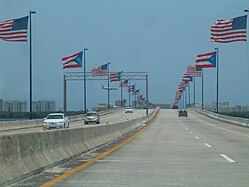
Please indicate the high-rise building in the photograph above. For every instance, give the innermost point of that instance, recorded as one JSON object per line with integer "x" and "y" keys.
{"x": 43, "y": 106}
{"x": 1, "y": 105}
{"x": 15, "y": 106}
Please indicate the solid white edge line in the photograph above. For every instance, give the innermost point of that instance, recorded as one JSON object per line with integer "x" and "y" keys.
{"x": 212, "y": 125}
{"x": 227, "y": 158}
{"x": 206, "y": 144}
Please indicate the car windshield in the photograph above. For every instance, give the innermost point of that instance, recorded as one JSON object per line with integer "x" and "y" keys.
{"x": 91, "y": 114}
{"x": 55, "y": 117}
{"x": 128, "y": 108}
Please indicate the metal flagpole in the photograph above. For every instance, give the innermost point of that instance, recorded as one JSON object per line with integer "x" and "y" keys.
{"x": 129, "y": 93}
{"x": 30, "y": 64}
{"x": 202, "y": 90}
{"x": 85, "y": 80}
{"x": 185, "y": 98}
{"x": 194, "y": 92}
{"x": 147, "y": 95}
{"x": 217, "y": 90}
{"x": 121, "y": 96}
{"x": 189, "y": 95}
{"x": 65, "y": 94}
{"x": 108, "y": 85}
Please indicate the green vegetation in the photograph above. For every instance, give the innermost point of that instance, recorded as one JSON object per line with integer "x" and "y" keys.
{"x": 244, "y": 114}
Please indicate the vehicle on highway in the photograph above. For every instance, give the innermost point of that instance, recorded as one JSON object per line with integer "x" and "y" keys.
{"x": 183, "y": 113}
{"x": 92, "y": 117}
{"x": 56, "y": 120}
{"x": 128, "y": 110}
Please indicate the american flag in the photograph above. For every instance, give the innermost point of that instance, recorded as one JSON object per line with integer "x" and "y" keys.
{"x": 187, "y": 78}
{"x": 131, "y": 88}
{"x": 183, "y": 84}
{"x": 207, "y": 60}
{"x": 192, "y": 71}
{"x": 114, "y": 77}
{"x": 14, "y": 30}
{"x": 231, "y": 30}
{"x": 135, "y": 92}
{"x": 124, "y": 83}
{"x": 73, "y": 61}
{"x": 100, "y": 70}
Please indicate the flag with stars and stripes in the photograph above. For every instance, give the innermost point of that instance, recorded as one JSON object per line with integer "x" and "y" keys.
{"x": 14, "y": 30}
{"x": 231, "y": 30}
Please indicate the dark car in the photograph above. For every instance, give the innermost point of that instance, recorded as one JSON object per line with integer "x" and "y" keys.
{"x": 182, "y": 113}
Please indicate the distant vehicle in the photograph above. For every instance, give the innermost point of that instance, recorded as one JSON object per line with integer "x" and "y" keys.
{"x": 182, "y": 113}
{"x": 128, "y": 110}
{"x": 56, "y": 120}
{"x": 110, "y": 88}
{"x": 92, "y": 117}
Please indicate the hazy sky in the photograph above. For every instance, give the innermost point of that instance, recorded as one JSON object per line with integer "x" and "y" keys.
{"x": 160, "y": 37}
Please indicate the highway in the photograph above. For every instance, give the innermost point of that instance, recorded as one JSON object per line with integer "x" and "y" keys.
{"x": 115, "y": 117}
{"x": 171, "y": 151}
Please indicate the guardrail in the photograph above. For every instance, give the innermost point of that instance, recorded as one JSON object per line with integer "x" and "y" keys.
{"x": 24, "y": 124}
{"x": 234, "y": 120}
{"x": 23, "y": 155}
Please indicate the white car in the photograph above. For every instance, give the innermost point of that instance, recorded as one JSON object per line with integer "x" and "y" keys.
{"x": 128, "y": 110}
{"x": 56, "y": 120}
{"x": 92, "y": 117}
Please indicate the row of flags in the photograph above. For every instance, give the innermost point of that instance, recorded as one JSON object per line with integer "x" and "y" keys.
{"x": 223, "y": 31}
{"x": 75, "y": 61}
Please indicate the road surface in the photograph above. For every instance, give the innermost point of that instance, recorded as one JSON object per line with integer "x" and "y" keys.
{"x": 172, "y": 151}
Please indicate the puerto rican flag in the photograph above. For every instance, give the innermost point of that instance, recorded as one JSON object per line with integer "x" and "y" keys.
{"x": 207, "y": 60}
{"x": 73, "y": 61}
{"x": 114, "y": 77}
{"x": 131, "y": 88}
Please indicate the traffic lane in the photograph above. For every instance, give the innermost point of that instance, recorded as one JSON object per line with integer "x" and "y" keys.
{"x": 110, "y": 118}
{"x": 118, "y": 117}
{"x": 224, "y": 138}
{"x": 164, "y": 154}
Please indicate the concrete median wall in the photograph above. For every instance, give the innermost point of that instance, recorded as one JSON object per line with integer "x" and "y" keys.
{"x": 22, "y": 155}
{"x": 23, "y": 124}
{"x": 235, "y": 120}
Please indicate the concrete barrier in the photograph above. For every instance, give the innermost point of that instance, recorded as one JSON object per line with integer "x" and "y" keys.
{"x": 234, "y": 120}
{"x": 22, "y": 155}
{"x": 22, "y": 124}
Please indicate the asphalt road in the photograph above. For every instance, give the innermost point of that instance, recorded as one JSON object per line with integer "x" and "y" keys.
{"x": 172, "y": 151}
{"x": 109, "y": 118}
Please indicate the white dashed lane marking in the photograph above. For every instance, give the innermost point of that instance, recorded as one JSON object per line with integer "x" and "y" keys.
{"x": 206, "y": 144}
{"x": 227, "y": 158}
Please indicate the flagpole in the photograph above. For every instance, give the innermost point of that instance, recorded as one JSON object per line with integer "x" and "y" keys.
{"x": 194, "y": 92}
{"x": 129, "y": 93}
{"x": 108, "y": 85}
{"x": 189, "y": 95}
{"x": 30, "y": 64}
{"x": 217, "y": 84}
{"x": 121, "y": 97}
{"x": 185, "y": 98}
{"x": 85, "y": 49}
{"x": 202, "y": 90}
